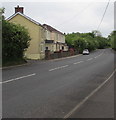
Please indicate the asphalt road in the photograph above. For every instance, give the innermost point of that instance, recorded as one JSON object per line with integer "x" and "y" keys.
{"x": 51, "y": 89}
{"x": 100, "y": 105}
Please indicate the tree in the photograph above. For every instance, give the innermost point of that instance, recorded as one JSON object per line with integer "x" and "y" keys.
{"x": 1, "y": 13}
{"x": 91, "y": 40}
{"x": 96, "y": 33}
{"x": 15, "y": 40}
{"x": 80, "y": 44}
{"x": 2, "y": 10}
{"x": 102, "y": 42}
{"x": 112, "y": 39}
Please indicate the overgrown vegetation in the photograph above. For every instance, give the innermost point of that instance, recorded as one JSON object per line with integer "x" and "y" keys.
{"x": 90, "y": 41}
{"x": 15, "y": 40}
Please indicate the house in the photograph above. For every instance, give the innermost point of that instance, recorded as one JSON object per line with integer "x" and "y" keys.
{"x": 36, "y": 50}
{"x": 55, "y": 40}
{"x": 43, "y": 37}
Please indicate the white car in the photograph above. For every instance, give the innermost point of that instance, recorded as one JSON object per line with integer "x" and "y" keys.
{"x": 86, "y": 52}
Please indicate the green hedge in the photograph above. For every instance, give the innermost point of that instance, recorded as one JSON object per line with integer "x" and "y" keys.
{"x": 15, "y": 40}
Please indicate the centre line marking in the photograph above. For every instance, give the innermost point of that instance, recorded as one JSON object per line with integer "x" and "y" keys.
{"x": 17, "y": 78}
{"x": 99, "y": 55}
{"x": 78, "y": 62}
{"x": 58, "y": 68}
{"x": 96, "y": 56}
{"x": 90, "y": 95}
{"x": 90, "y": 59}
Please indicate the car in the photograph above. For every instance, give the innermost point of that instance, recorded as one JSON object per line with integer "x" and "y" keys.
{"x": 85, "y": 52}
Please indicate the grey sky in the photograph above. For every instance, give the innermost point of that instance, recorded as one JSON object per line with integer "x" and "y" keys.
{"x": 68, "y": 16}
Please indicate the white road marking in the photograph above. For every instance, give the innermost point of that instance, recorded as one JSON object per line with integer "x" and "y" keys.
{"x": 89, "y": 59}
{"x": 78, "y": 62}
{"x": 86, "y": 98}
{"x": 98, "y": 55}
{"x": 58, "y": 68}
{"x": 17, "y": 78}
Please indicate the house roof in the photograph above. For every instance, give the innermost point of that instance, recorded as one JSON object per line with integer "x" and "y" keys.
{"x": 30, "y": 19}
{"x": 48, "y": 27}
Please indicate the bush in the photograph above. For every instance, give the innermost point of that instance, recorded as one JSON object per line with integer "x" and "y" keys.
{"x": 15, "y": 40}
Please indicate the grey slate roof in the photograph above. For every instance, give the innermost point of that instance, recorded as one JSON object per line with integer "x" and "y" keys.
{"x": 52, "y": 29}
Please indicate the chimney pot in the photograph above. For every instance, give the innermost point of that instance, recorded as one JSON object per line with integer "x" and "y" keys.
{"x": 19, "y": 9}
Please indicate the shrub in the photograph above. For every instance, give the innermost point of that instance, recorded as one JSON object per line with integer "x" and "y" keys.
{"x": 15, "y": 40}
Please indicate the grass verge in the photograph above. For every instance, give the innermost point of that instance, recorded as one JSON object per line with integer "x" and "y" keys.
{"x": 8, "y": 63}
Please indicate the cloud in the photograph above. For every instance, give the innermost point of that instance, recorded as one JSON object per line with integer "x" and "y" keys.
{"x": 68, "y": 16}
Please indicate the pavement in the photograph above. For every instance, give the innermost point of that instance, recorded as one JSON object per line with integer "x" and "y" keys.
{"x": 51, "y": 89}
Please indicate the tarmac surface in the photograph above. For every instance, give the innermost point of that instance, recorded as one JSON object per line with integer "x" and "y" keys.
{"x": 51, "y": 89}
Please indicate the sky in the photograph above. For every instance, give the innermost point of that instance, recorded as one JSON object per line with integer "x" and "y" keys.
{"x": 67, "y": 16}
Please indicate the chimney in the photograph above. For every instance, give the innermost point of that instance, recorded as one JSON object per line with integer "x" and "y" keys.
{"x": 19, "y": 9}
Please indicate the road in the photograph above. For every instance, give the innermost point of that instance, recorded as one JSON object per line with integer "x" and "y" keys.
{"x": 100, "y": 105}
{"x": 51, "y": 89}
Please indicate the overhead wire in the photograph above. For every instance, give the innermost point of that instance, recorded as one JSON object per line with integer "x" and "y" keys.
{"x": 77, "y": 14}
{"x": 103, "y": 15}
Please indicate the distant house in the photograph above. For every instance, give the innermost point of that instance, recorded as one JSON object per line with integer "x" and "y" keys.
{"x": 42, "y": 36}
{"x": 55, "y": 40}
{"x": 36, "y": 30}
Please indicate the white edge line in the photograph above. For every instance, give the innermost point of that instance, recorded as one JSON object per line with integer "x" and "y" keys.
{"x": 17, "y": 78}
{"x": 86, "y": 98}
{"x": 58, "y": 68}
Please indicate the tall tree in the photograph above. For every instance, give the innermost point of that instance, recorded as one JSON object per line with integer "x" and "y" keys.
{"x": 112, "y": 38}
{"x": 96, "y": 33}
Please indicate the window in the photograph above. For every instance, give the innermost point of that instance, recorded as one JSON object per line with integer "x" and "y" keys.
{"x": 46, "y": 48}
{"x": 41, "y": 47}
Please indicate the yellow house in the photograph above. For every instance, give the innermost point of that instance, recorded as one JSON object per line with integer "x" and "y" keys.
{"x": 36, "y": 50}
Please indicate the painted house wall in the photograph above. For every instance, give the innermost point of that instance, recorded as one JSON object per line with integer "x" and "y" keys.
{"x": 35, "y": 31}
{"x": 50, "y": 46}
{"x": 42, "y": 43}
{"x": 51, "y": 36}
{"x": 48, "y": 35}
{"x": 61, "y": 38}
{"x": 57, "y": 37}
